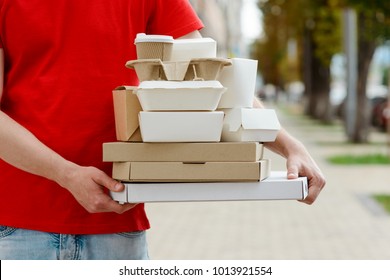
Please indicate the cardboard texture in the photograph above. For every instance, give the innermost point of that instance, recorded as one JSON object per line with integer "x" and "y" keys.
{"x": 205, "y": 69}
{"x": 187, "y": 49}
{"x": 179, "y": 96}
{"x": 275, "y": 187}
{"x": 250, "y": 124}
{"x": 154, "y": 46}
{"x": 183, "y": 152}
{"x": 190, "y": 172}
{"x": 181, "y": 126}
{"x": 240, "y": 80}
{"x": 155, "y": 69}
{"x": 126, "y": 109}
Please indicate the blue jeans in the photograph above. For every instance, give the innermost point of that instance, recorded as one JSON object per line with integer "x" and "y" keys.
{"x": 21, "y": 244}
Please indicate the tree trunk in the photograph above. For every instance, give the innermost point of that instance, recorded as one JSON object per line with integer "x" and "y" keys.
{"x": 366, "y": 49}
{"x": 317, "y": 83}
{"x": 321, "y": 89}
{"x": 307, "y": 77}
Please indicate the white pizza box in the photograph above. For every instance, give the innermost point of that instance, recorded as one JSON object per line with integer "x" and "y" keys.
{"x": 250, "y": 124}
{"x": 240, "y": 80}
{"x": 181, "y": 126}
{"x": 187, "y": 49}
{"x": 275, "y": 187}
{"x": 179, "y": 96}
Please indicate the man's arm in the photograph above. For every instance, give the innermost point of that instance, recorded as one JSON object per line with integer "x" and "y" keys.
{"x": 193, "y": 35}
{"x": 20, "y": 148}
{"x": 299, "y": 161}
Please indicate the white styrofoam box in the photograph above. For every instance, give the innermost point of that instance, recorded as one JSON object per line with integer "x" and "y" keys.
{"x": 240, "y": 80}
{"x": 275, "y": 187}
{"x": 179, "y": 96}
{"x": 181, "y": 126}
{"x": 187, "y": 49}
{"x": 250, "y": 124}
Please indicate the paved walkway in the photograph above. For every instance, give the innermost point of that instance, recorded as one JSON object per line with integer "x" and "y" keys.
{"x": 344, "y": 223}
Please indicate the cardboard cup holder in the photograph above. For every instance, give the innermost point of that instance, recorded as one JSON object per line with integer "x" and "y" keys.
{"x": 206, "y": 69}
{"x": 199, "y": 69}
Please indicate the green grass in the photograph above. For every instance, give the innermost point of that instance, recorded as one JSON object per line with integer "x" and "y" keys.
{"x": 384, "y": 200}
{"x": 360, "y": 159}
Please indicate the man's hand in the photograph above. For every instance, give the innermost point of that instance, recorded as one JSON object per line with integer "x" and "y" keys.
{"x": 300, "y": 163}
{"x": 87, "y": 185}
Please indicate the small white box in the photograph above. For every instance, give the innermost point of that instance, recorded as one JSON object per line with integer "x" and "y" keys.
{"x": 240, "y": 80}
{"x": 275, "y": 187}
{"x": 181, "y": 126}
{"x": 250, "y": 124}
{"x": 187, "y": 49}
{"x": 179, "y": 96}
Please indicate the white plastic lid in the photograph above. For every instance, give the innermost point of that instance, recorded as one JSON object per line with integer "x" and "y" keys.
{"x": 142, "y": 38}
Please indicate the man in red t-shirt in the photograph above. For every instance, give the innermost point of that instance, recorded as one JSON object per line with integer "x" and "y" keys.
{"x": 59, "y": 62}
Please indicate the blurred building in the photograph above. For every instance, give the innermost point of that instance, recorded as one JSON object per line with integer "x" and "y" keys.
{"x": 222, "y": 19}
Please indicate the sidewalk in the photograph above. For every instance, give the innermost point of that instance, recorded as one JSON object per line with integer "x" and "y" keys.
{"x": 344, "y": 222}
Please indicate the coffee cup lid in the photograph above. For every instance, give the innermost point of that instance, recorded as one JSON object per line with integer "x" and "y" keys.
{"x": 142, "y": 38}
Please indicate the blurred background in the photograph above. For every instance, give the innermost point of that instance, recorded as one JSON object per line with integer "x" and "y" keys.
{"x": 303, "y": 56}
{"x": 324, "y": 66}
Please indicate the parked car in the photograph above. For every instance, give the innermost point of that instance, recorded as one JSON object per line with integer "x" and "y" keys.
{"x": 380, "y": 114}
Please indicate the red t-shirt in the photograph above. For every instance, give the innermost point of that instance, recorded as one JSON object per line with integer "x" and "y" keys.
{"x": 63, "y": 58}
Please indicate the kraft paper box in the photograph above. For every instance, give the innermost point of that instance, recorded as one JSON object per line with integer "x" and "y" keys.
{"x": 181, "y": 126}
{"x": 183, "y": 152}
{"x": 179, "y": 96}
{"x": 250, "y": 124}
{"x": 126, "y": 109}
{"x": 275, "y": 187}
{"x": 190, "y": 172}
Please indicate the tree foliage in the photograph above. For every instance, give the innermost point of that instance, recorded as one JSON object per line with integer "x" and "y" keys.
{"x": 287, "y": 20}
{"x": 316, "y": 27}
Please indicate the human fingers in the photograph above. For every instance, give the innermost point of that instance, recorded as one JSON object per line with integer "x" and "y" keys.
{"x": 106, "y": 181}
{"x": 316, "y": 184}
{"x": 292, "y": 170}
{"x": 114, "y": 206}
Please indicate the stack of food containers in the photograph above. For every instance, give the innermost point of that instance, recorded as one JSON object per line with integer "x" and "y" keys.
{"x": 169, "y": 128}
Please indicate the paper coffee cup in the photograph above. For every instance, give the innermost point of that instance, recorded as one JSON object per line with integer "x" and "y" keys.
{"x": 154, "y": 46}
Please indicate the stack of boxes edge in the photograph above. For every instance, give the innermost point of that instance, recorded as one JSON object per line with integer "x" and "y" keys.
{"x": 181, "y": 125}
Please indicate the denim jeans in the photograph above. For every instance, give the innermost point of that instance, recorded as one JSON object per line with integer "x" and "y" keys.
{"x": 21, "y": 244}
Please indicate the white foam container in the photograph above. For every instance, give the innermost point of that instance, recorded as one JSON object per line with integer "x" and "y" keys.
{"x": 181, "y": 126}
{"x": 179, "y": 96}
